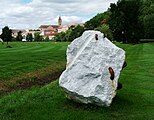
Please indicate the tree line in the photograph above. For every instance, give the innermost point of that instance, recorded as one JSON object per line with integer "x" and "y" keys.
{"x": 6, "y": 36}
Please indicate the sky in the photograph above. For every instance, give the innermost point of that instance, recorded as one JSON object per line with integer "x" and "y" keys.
{"x": 30, "y": 14}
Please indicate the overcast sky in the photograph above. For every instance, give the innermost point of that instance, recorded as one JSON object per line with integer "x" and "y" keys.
{"x": 30, "y": 14}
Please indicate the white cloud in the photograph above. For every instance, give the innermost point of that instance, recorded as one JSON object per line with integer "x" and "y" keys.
{"x": 17, "y": 14}
{"x": 69, "y": 19}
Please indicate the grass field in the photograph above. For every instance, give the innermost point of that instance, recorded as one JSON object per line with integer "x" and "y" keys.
{"x": 30, "y": 61}
{"x": 135, "y": 101}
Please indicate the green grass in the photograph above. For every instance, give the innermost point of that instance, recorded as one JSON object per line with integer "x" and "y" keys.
{"x": 27, "y": 57}
{"x": 135, "y": 101}
{"x": 30, "y": 61}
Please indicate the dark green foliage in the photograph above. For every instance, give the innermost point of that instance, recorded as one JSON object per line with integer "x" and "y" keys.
{"x": 60, "y": 37}
{"x": 76, "y": 32}
{"x": 19, "y": 36}
{"x": 124, "y": 23}
{"x": 13, "y": 39}
{"x": 37, "y": 36}
{"x": 146, "y": 18}
{"x": 46, "y": 38}
{"x": 29, "y": 37}
{"x": 6, "y": 34}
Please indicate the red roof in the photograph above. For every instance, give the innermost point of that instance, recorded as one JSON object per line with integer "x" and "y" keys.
{"x": 17, "y": 30}
{"x": 55, "y": 26}
{"x": 50, "y": 28}
{"x": 46, "y": 26}
{"x": 50, "y": 33}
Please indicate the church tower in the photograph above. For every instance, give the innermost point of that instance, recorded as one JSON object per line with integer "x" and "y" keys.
{"x": 59, "y": 21}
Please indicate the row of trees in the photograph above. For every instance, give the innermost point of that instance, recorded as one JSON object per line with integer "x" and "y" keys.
{"x": 6, "y": 36}
{"x": 29, "y": 37}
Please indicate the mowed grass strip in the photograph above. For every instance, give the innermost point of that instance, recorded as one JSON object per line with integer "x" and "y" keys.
{"x": 135, "y": 101}
{"x": 30, "y": 61}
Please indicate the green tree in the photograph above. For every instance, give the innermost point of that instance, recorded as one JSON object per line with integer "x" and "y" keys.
{"x": 47, "y": 38}
{"x": 29, "y": 37}
{"x": 106, "y": 30}
{"x": 68, "y": 35}
{"x": 76, "y": 32}
{"x": 13, "y": 39}
{"x": 6, "y": 34}
{"x": 146, "y": 18}
{"x": 60, "y": 37}
{"x": 124, "y": 23}
{"x": 37, "y": 36}
{"x": 19, "y": 36}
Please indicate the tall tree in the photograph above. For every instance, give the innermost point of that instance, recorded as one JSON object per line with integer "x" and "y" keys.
{"x": 146, "y": 18}
{"x": 76, "y": 32}
{"x": 29, "y": 37}
{"x": 6, "y": 34}
{"x": 124, "y": 21}
{"x": 37, "y": 36}
{"x": 47, "y": 38}
{"x": 19, "y": 36}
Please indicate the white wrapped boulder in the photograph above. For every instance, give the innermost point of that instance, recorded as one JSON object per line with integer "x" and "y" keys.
{"x": 87, "y": 78}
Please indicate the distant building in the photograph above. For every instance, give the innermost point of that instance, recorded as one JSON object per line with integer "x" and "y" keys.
{"x": 52, "y": 30}
{"x": 32, "y": 32}
{"x": 23, "y": 32}
{"x": 48, "y": 30}
{"x": 15, "y": 32}
{"x": 65, "y": 27}
{"x": 59, "y": 21}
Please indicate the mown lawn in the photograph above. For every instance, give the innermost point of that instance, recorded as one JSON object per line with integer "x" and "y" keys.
{"x": 135, "y": 101}
{"x": 30, "y": 61}
{"x": 29, "y": 56}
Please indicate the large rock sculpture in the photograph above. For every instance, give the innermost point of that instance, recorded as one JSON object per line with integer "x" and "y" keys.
{"x": 93, "y": 69}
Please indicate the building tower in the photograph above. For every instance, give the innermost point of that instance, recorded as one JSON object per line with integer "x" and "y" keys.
{"x": 59, "y": 21}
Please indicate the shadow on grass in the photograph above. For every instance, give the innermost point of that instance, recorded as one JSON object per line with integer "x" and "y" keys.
{"x": 118, "y": 102}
